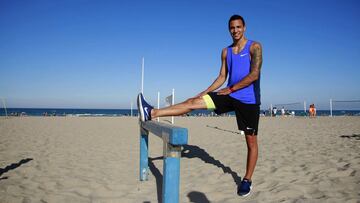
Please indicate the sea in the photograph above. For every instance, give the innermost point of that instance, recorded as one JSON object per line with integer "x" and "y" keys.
{"x": 129, "y": 112}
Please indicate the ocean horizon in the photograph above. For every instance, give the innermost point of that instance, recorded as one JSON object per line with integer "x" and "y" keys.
{"x": 134, "y": 112}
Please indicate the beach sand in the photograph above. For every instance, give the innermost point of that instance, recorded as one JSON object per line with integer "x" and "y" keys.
{"x": 96, "y": 159}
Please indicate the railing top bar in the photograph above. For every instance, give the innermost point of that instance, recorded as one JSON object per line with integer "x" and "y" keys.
{"x": 171, "y": 134}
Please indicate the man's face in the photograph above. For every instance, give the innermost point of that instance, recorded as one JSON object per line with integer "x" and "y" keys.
{"x": 236, "y": 29}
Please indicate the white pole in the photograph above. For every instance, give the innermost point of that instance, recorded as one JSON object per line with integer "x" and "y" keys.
{"x": 271, "y": 110}
{"x": 131, "y": 112}
{"x": 173, "y": 101}
{"x": 331, "y": 107}
{"x": 305, "y": 106}
{"x": 3, "y": 101}
{"x": 142, "y": 75}
{"x": 158, "y": 105}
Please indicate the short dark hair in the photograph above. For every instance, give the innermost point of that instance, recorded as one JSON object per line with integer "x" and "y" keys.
{"x": 236, "y": 17}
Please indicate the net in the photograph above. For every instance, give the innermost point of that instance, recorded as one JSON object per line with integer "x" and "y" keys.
{"x": 344, "y": 107}
{"x": 294, "y": 108}
{"x": 290, "y": 106}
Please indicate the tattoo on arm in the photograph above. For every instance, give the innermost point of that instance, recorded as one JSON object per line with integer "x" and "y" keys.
{"x": 256, "y": 60}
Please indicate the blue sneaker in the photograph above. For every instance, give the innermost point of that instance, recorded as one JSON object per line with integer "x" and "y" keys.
{"x": 244, "y": 188}
{"x": 144, "y": 108}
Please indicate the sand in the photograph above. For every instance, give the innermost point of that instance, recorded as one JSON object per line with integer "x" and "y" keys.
{"x": 96, "y": 159}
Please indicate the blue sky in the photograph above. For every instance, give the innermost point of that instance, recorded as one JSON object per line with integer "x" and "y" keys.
{"x": 87, "y": 53}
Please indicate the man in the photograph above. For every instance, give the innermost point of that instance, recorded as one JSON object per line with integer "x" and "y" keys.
{"x": 241, "y": 62}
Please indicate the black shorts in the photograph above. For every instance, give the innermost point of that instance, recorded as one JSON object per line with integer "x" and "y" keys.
{"x": 247, "y": 115}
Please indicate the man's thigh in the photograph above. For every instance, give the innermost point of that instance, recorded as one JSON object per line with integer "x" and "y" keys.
{"x": 222, "y": 103}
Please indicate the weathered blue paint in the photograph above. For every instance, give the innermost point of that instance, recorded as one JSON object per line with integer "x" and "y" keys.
{"x": 144, "y": 154}
{"x": 173, "y": 137}
{"x": 171, "y": 181}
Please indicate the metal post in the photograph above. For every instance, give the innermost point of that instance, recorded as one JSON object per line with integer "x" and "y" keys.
{"x": 331, "y": 107}
{"x": 3, "y": 101}
{"x": 158, "y": 105}
{"x": 131, "y": 111}
{"x": 144, "y": 154}
{"x": 172, "y": 103}
{"x": 142, "y": 75}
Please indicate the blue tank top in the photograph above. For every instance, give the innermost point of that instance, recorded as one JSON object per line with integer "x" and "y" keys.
{"x": 239, "y": 67}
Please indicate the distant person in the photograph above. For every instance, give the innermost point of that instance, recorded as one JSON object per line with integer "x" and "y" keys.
{"x": 241, "y": 64}
{"x": 283, "y": 111}
{"x": 274, "y": 111}
{"x": 312, "y": 110}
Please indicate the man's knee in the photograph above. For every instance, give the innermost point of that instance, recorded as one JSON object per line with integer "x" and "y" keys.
{"x": 191, "y": 101}
{"x": 251, "y": 141}
{"x": 195, "y": 103}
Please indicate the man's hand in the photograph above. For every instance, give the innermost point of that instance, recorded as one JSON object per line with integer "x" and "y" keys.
{"x": 224, "y": 91}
